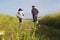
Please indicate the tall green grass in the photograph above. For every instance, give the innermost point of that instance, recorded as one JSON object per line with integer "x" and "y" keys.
{"x": 13, "y": 29}
{"x": 49, "y": 25}
{"x": 51, "y": 20}
{"x": 48, "y": 28}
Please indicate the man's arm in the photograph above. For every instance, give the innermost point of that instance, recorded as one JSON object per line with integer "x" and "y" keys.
{"x": 37, "y": 10}
{"x": 32, "y": 11}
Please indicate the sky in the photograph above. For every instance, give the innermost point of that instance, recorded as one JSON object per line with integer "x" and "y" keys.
{"x": 10, "y": 7}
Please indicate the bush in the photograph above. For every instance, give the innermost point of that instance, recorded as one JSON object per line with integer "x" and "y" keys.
{"x": 51, "y": 20}
{"x": 49, "y": 26}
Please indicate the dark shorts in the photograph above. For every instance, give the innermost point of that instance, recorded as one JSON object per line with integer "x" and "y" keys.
{"x": 20, "y": 20}
{"x": 34, "y": 18}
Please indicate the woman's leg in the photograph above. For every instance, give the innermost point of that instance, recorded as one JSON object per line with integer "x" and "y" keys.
{"x": 20, "y": 20}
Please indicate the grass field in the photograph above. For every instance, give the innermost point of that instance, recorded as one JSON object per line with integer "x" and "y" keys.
{"x": 11, "y": 30}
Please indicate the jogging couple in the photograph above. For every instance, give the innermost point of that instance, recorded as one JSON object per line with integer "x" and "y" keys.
{"x": 34, "y": 11}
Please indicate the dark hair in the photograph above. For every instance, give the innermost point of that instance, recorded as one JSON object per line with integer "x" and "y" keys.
{"x": 33, "y": 6}
{"x": 20, "y": 9}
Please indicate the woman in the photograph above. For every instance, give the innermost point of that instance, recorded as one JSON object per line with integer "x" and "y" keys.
{"x": 20, "y": 15}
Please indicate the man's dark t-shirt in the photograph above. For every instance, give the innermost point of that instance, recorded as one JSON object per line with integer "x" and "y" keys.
{"x": 34, "y": 11}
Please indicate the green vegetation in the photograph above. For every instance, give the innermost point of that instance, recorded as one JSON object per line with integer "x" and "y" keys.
{"x": 48, "y": 28}
{"x": 51, "y": 20}
{"x": 49, "y": 25}
{"x": 13, "y": 30}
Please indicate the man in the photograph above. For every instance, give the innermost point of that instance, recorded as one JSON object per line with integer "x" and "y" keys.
{"x": 34, "y": 12}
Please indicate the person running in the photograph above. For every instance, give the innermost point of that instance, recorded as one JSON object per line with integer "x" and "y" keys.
{"x": 34, "y": 12}
{"x": 20, "y": 15}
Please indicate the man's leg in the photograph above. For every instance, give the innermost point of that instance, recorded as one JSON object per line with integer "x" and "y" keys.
{"x": 36, "y": 19}
{"x": 33, "y": 18}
